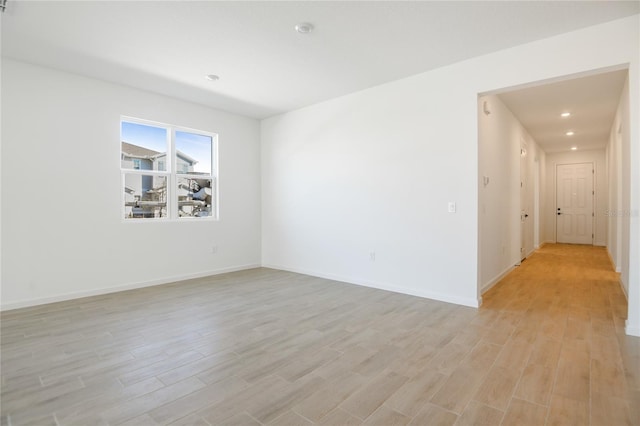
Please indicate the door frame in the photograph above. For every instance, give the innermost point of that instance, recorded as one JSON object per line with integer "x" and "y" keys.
{"x": 593, "y": 198}
{"x": 524, "y": 187}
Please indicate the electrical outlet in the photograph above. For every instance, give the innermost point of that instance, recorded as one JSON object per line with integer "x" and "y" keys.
{"x": 372, "y": 256}
{"x": 452, "y": 207}
{"x": 214, "y": 249}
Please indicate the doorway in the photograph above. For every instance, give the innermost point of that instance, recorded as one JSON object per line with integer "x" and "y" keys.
{"x": 526, "y": 209}
{"x": 571, "y": 126}
{"x": 574, "y": 203}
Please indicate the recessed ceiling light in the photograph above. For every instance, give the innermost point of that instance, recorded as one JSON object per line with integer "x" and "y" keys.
{"x": 304, "y": 28}
{"x": 570, "y": 133}
{"x": 565, "y": 114}
{"x": 212, "y": 77}
{"x": 573, "y": 148}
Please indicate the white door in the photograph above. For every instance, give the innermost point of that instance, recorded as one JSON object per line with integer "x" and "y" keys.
{"x": 574, "y": 203}
{"x": 523, "y": 199}
{"x": 526, "y": 197}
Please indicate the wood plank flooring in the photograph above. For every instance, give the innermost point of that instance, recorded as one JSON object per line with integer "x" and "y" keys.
{"x": 266, "y": 347}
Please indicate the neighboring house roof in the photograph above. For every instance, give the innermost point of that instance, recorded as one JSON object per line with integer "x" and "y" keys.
{"x": 136, "y": 151}
{"x": 132, "y": 150}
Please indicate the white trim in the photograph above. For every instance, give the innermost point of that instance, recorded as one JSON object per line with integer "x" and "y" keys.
{"x": 615, "y": 267}
{"x": 631, "y": 331}
{"x": 131, "y": 286}
{"x": 593, "y": 198}
{"x": 171, "y": 173}
{"x": 473, "y": 303}
{"x": 624, "y": 290}
{"x": 172, "y": 182}
{"x": 497, "y": 279}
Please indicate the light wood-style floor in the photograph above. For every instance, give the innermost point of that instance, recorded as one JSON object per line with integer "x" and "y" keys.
{"x": 271, "y": 347}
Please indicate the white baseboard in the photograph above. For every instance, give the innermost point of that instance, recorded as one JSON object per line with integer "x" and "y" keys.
{"x": 624, "y": 290}
{"x": 131, "y": 286}
{"x": 544, "y": 243}
{"x": 496, "y": 279}
{"x": 632, "y": 330}
{"x": 471, "y": 302}
{"x": 615, "y": 267}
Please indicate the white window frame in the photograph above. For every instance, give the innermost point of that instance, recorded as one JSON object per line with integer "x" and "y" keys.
{"x": 172, "y": 174}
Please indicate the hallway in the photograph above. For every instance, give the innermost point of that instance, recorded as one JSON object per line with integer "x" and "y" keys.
{"x": 569, "y": 354}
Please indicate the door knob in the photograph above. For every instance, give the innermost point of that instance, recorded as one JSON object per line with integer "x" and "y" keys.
{"x": 526, "y": 215}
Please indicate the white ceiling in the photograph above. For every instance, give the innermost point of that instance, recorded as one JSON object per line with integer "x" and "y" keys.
{"x": 592, "y": 102}
{"x": 265, "y": 67}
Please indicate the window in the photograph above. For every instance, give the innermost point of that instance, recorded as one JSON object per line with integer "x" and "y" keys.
{"x": 167, "y": 172}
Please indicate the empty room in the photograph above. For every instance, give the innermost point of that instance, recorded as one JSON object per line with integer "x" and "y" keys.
{"x": 320, "y": 212}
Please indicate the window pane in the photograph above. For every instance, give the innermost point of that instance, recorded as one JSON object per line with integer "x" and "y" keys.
{"x": 145, "y": 196}
{"x": 193, "y": 152}
{"x": 194, "y": 197}
{"x": 143, "y": 147}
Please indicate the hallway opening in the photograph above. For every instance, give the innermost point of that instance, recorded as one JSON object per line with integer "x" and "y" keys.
{"x": 527, "y": 136}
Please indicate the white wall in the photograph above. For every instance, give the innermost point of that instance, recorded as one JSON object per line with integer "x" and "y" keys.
{"x": 63, "y": 234}
{"x": 1, "y": 183}
{"x": 618, "y": 167}
{"x": 500, "y": 135}
{"x": 366, "y": 173}
{"x": 601, "y": 185}
{"x": 542, "y": 196}
{"x": 630, "y": 180}
{"x": 374, "y": 170}
{"x": 613, "y": 156}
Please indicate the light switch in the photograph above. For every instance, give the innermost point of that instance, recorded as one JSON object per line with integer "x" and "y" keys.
{"x": 452, "y": 207}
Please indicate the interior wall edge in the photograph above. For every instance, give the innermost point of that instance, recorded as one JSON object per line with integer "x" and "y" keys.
{"x": 613, "y": 263}
{"x": 624, "y": 290}
{"x": 486, "y": 287}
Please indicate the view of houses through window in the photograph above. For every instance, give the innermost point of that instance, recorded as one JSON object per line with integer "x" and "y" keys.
{"x": 167, "y": 172}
